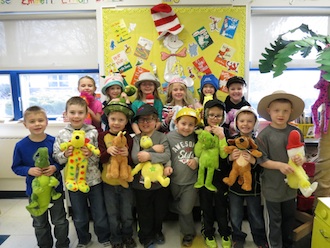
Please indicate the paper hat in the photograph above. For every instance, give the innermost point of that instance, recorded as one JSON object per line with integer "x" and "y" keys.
{"x": 294, "y": 140}
{"x": 188, "y": 82}
{"x": 166, "y": 21}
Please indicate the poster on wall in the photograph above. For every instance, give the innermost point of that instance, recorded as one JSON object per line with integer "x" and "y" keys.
{"x": 198, "y": 41}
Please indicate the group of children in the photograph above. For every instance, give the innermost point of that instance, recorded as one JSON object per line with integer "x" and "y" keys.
{"x": 171, "y": 129}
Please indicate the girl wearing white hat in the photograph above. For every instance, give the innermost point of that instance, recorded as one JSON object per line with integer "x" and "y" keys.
{"x": 147, "y": 93}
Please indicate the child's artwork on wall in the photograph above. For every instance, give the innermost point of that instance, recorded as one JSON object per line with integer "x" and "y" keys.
{"x": 196, "y": 41}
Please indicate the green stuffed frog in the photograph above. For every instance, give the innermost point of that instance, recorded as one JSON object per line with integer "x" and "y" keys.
{"x": 43, "y": 187}
{"x": 207, "y": 150}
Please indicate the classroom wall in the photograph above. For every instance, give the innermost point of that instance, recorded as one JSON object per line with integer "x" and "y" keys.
{"x": 16, "y": 9}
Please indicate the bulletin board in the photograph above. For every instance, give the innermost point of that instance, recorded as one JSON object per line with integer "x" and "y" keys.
{"x": 212, "y": 41}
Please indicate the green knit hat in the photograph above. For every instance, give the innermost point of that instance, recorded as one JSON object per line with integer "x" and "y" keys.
{"x": 118, "y": 107}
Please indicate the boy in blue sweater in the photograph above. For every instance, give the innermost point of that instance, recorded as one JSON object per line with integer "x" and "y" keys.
{"x": 35, "y": 120}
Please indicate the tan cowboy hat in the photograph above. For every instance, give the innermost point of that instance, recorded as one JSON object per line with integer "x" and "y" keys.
{"x": 298, "y": 104}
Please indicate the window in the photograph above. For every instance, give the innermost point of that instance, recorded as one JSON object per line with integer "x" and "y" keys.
{"x": 51, "y": 91}
{"x": 302, "y": 73}
{"x": 298, "y": 82}
{"x": 6, "y": 106}
{"x": 54, "y": 49}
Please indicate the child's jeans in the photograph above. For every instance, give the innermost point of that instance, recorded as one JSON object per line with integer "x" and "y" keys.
{"x": 79, "y": 203}
{"x": 119, "y": 205}
{"x": 214, "y": 207}
{"x": 43, "y": 229}
{"x": 254, "y": 215}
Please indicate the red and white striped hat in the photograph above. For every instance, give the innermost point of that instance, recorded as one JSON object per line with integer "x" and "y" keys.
{"x": 166, "y": 21}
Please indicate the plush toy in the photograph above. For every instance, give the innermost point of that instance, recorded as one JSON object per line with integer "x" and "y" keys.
{"x": 43, "y": 187}
{"x": 89, "y": 99}
{"x": 199, "y": 111}
{"x": 241, "y": 168}
{"x": 150, "y": 172}
{"x": 118, "y": 167}
{"x": 207, "y": 150}
{"x": 230, "y": 120}
{"x": 77, "y": 160}
{"x": 298, "y": 179}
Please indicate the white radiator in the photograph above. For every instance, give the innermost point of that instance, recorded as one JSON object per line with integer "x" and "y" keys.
{"x": 7, "y": 145}
{"x": 9, "y": 181}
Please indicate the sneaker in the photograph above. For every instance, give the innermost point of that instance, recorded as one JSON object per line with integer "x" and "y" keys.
{"x": 211, "y": 243}
{"x": 118, "y": 245}
{"x": 149, "y": 245}
{"x": 85, "y": 246}
{"x": 106, "y": 244}
{"x": 238, "y": 244}
{"x": 159, "y": 238}
{"x": 188, "y": 240}
{"x": 225, "y": 242}
{"x": 129, "y": 242}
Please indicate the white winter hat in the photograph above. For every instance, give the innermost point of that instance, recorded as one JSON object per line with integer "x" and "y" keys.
{"x": 166, "y": 21}
{"x": 247, "y": 109}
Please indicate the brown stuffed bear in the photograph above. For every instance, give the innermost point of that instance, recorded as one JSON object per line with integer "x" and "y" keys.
{"x": 241, "y": 168}
{"x": 118, "y": 167}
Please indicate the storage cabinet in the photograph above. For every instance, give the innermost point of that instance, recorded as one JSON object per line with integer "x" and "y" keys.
{"x": 321, "y": 227}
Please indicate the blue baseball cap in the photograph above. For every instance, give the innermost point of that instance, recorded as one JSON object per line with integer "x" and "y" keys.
{"x": 210, "y": 79}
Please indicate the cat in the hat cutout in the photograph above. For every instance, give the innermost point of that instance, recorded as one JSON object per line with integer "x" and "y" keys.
{"x": 172, "y": 43}
{"x": 298, "y": 179}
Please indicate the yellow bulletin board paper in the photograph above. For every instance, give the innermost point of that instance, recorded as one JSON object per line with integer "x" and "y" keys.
{"x": 213, "y": 40}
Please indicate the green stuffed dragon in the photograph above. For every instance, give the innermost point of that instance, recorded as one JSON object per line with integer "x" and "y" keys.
{"x": 42, "y": 186}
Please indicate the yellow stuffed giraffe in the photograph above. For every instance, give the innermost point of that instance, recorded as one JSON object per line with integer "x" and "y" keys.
{"x": 150, "y": 172}
{"x": 77, "y": 161}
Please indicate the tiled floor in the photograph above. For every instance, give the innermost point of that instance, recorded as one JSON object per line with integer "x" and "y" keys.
{"x": 16, "y": 222}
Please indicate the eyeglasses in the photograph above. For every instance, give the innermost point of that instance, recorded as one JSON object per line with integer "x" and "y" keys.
{"x": 217, "y": 117}
{"x": 147, "y": 120}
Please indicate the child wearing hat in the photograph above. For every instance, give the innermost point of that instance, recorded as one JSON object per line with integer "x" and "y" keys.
{"x": 214, "y": 204}
{"x": 151, "y": 204}
{"x": 118, "y": 198}
{"x": 209, "y": 86}
{"x": 279, "y": 108}
{"x": 178, "y": 96}
{"x": 183, "y": 168}
{"x": 246, "y": 124}
{"x": 234, "y": 101}
{"x": 147, "y": 93}
{"x": 113, "y": 89}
